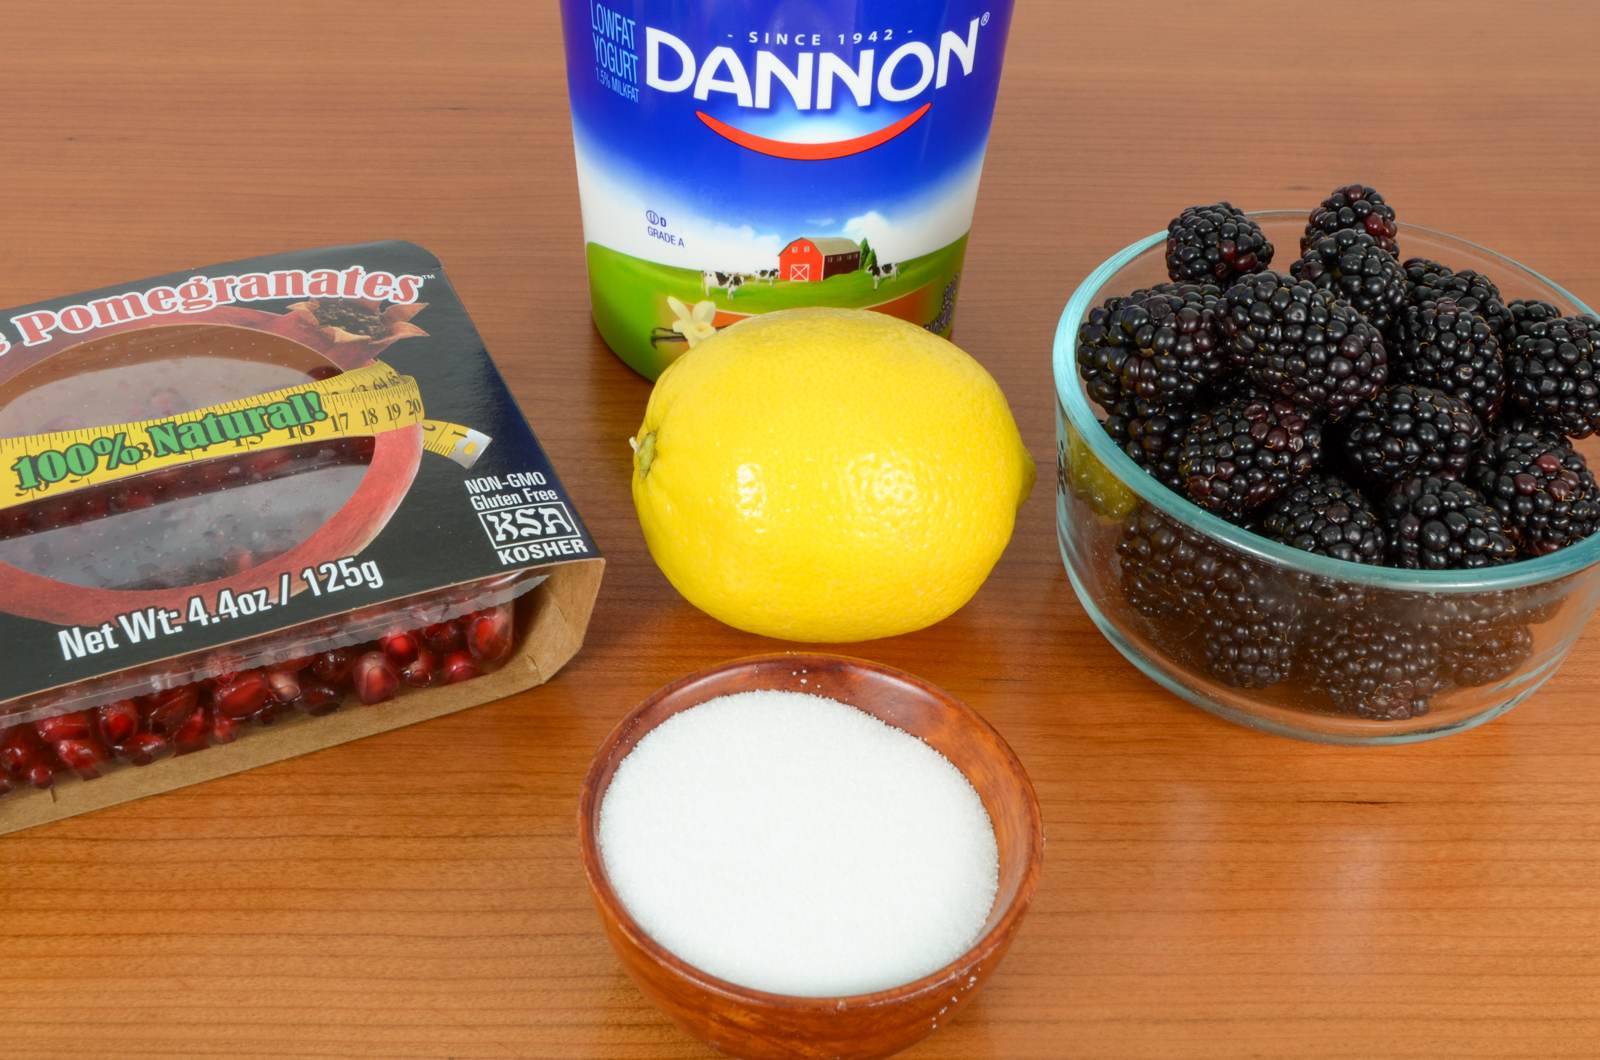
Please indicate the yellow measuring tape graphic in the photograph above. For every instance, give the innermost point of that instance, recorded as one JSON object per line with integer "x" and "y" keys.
{"x": 367, "y": 401}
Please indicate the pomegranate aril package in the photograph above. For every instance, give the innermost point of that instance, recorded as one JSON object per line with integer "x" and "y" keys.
{"x": 257, "y": 509}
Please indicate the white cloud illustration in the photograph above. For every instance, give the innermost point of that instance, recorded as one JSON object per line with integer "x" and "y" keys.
{"x": 616, "y": 214}
{"x": 936, "y": 219}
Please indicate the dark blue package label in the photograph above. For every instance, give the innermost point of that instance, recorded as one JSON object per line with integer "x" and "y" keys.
{"x": 737, "y": 158}
{"x": 198, "y": 460}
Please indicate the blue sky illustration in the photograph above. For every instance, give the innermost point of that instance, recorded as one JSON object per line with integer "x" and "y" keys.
{"x": 660, "y": 142}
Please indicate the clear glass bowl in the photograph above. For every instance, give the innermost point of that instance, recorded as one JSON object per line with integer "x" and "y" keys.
{"x": 1478, "y": 642}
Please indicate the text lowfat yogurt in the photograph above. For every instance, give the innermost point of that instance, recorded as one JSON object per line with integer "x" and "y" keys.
{"x": 736, "y": 158}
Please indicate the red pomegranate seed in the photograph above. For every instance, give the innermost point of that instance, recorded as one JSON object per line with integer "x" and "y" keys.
{"x": 269, "y": 464}
{"x": 401, "y": 648}
{"x": 219, "y": 474}
{"x": 131, "y": 499}
{"x": 41, "y": 775}
{"x": 423, "y": 671}
{"x": 285, "y": 687}
{"x": 74, "y": 726}
{"x": 191, "y": 735}
{"x": 117, "y": 722}
{"x": 291, "y": 666}
{"x": 84, "y": 757}
{"x": 93, "y": 504}
{"x": 376, "y": 679}
{"x": 242, "y": 696}
{"x": 5, "y": 784}
{"x": 167, "y": 482}
{"x": 222, "y": 677}
{"x": 489, "y": 634}
{"x": 460, "y": 666}
{"x": 318, "y": 700}
{"x": 333, "y": 667}
{"x": 144, "y": 748}
{"x": 20, "y": 749}
{"x": 53, "y": 514}
{"x": 223, "y": 728}
{"x": 271, "y": 714}
{"x": 13, "y": 523}
{"x": 166, "y": 712}
{"x": 443, "y": 637}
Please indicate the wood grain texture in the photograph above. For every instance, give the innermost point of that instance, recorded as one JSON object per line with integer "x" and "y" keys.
{"x": 1208, "y": 891}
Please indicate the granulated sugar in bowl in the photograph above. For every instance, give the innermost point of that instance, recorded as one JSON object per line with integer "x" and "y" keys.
{"x": 793, "y": 844}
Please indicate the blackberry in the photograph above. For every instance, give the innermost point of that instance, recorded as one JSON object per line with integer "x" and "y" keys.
{"x": 1327, "y": 516}
{"x": 1440, "y": 524}
{"x": 1101, "y": 349}
{"x": 1172, "y": 573}
{"x": 1515, "y": 421}
{"x": 1215, "y": 243}
{"x": 1542, "y": 488}
{"x": 1525, "y": 313}
{"x": 1352, "y": 265}
{"x": 1411, "y": 430}
{"x": 1298, "y": 342}
{"x": 1178, "y": 352}
{"x": 1454, "y": 350}
{"x": 1248, "y": 649}
{"x": 1374, "y": 669}
{"x": 1526, "y": 605}
{"x": 1159, "y": 345}
{"x": 1152, "y": 435}
{"x": 1354, "y": 206}
{"x": 1190, "y": 588}
{"x": 1431, "y": 281}
{"x": 1425, "y": 272}
{"x": 1248, "y": 451}
{"x": 1484, "y": 653}
{"x": 1554, "y": 376}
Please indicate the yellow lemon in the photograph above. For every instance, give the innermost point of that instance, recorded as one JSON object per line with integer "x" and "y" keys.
{"x": 828, "y": 475}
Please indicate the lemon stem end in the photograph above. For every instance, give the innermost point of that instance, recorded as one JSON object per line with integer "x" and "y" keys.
{"x": 644, "y": 452}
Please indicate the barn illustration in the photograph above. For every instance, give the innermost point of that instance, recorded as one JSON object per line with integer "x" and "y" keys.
{"x": 809, "y": 260}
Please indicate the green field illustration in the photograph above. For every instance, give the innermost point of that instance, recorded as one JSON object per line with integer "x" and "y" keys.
{"x": 630, "y": 297}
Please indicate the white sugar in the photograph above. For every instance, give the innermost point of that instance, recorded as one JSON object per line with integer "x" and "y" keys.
{"x": 793, "y": 844}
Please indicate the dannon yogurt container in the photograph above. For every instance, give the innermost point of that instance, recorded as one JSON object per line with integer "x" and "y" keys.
{"x": 737, "y": 157}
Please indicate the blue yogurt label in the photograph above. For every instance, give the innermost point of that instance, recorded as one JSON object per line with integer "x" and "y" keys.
{"x": 738, "y": 157}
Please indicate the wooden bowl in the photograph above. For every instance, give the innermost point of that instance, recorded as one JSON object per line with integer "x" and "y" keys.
{"x": 751, "y": 1023}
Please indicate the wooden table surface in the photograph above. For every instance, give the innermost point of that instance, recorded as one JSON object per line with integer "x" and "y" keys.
{"x": 1208, "y": 891}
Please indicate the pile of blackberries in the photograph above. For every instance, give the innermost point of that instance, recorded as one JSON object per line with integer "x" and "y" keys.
{"x": 1358, "y": 406}
{"x": 1362, "y": 376}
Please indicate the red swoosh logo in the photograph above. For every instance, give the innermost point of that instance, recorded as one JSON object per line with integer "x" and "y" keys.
{"x": 812, "y": 152}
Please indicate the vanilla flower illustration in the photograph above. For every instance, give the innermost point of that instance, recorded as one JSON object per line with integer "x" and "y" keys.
{"x": 694, "y": 324}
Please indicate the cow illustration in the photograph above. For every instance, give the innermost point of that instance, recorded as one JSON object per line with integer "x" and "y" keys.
{"x": 728, "y": 281}
{"x": 767, "y": 276}
{"x": 881, "y": 272}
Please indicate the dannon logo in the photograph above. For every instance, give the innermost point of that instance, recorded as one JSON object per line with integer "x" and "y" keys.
{"x": 816, "y": 81}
